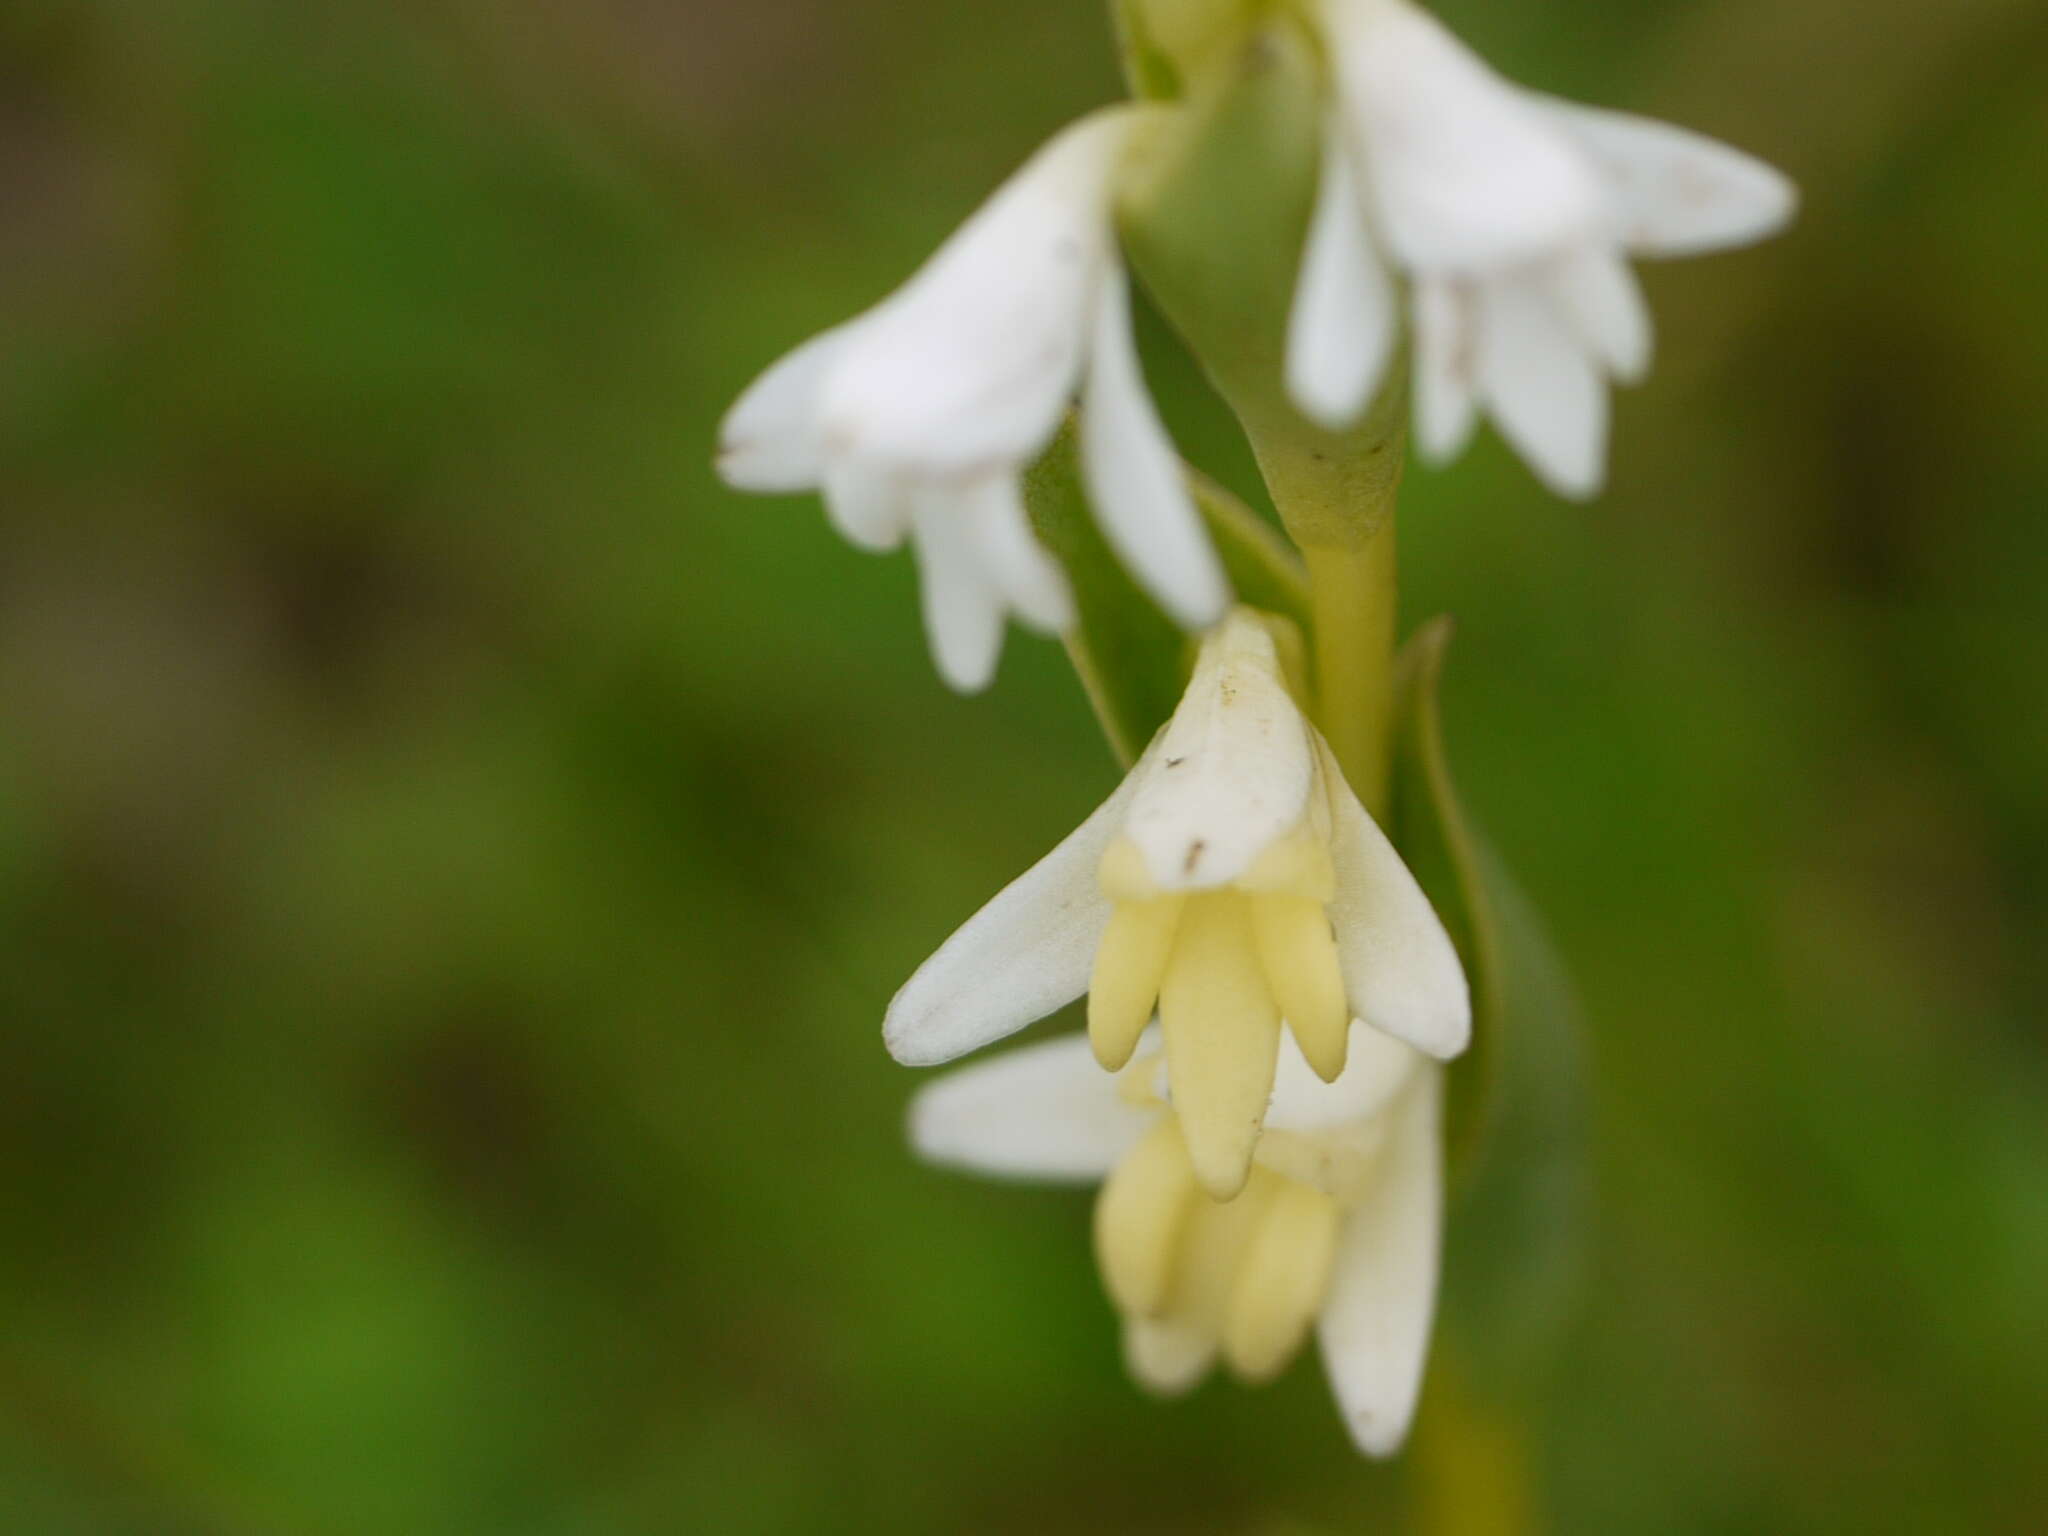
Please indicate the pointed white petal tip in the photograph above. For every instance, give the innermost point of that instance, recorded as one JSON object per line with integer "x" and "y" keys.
{"x": 771, "y": 440}
{"x": 1543, "y": 388}
{"x": 1401, "y": 971}
{"x": 1022, "y": 956}
{"x": 1136, "y": 482}
{"x": 1677, "y": 192}
{"x": 1376, "y": 1321}
{"x": 1017, "y": 565}
{"x": 1044, "y": 1111}
{"x": 963, "y": 611}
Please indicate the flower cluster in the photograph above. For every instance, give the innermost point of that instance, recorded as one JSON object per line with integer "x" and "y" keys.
{"x": 1271, "y": 996}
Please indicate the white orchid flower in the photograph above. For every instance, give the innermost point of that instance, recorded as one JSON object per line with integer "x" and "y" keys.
{"x": 1234, "y": 882}
{"x": 1511, "y": 215}
{"x": 917, "y": 418}
{"x": 1337, "y": 1228}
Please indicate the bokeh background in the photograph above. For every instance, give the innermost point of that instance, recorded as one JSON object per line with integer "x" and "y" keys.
{"x": 454, "y": 855}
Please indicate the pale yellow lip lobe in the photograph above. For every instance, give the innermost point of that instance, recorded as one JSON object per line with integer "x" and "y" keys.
{"x": 1224, "y": 967}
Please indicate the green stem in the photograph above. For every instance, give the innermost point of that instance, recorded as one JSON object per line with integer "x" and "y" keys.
{"x": 1353, "y": 594}
{"x": 1471, "y": 1465}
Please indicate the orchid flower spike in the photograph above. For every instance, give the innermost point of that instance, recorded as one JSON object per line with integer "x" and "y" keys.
{"x": 1511, "y": 215}
{"x": 1336, "y": 1229}
{"x": 1234, "y": 882}
{"x": 917, "y": 418}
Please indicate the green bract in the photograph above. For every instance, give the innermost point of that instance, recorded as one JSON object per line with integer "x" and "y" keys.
{"x": 1132, "y": 659}
{"x": 1214, "y": 207}
{"x": 1515, "y": 1113}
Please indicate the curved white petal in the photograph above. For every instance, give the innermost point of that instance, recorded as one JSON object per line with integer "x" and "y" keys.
{"x": 1376, "y": 1068}
{"x": 1599, "y": 296}
{"x": 870, "y": 507}
{"x": 1375, "y": 1324}
{"x": 1341, "y": 328}
{"x": 1466, "y": 175}
{"x": 968, "y": 367}
{"x": 1135, "y": 480}
{"x": 1446, "y": 367}
{"x": 1401, "y": 971}
{"x": 1675, "y": 192}
{"x": 1542, "y": 388}
{"x": 963, "y": 612}
{"x": 1043, "y": 1111}
{"x": 1025, "y": 954}
{"x": 1232, "y": 771}
{"x": 772, "y": 439}
{"x": 1017, "y": 564}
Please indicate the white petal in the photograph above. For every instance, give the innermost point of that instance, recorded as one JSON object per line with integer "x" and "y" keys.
{"x": 963, "y": 612}
{"x": 1340, "y": 331}
{"x": 1232, "y": 771}
{"x": 870, "y": 507}
{"x": 1446, "y": 366}
{"x": 969, "y": 366}
{"x": 1376, "y": 1068}
{"x": 1375, "y": 1324}
{"x": 1466, "y": 174}
{"x": 1401, "y": 970}
{"x": 1599, "y": 297}
{"x": 1025, "y": 954}
{"x": 1016, "y": 563}
{"x": 1043, "y": 1111}
{"x": 1542, "y": 388}
{"x": 1135, "y": 479}
{"x": 772, "y": 439}
{"x": 1675, "y": 192}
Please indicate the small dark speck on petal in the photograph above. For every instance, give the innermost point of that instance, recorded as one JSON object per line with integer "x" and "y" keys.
{"x": 1195, "y": 851}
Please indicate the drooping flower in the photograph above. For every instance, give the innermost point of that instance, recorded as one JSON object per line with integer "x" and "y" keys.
{"x": 917, "y": 417}
{"x": 1512, "y": 216}
{"x": 1336, "y": 1229}
{"x": 1234, "y": 882}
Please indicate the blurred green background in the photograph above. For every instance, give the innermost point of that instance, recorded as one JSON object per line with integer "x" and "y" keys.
{"x": 454, "y": 855}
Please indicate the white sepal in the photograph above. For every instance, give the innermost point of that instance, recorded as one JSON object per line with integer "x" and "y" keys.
{"x": 1025, "y": 954}
{"x": 1599, "y": 296}
{"x": 1401, "y": 971}
{"x": 1674, "y": 192}
{"x": 1342, "y": 326}
{"x": 968, "y": 366}
{"x": 870, "y": 507}
{"x": 1028, "y": 578}
{"x": 1542, "y": 387}
{"x": 1043, "y": 1111}
{"x": 1135, "y": 479}
{"x": 1466, "y": 174}
{"x": 772, "y": 440}
{"x": 1230, "y": 774}
{"x": 963, "y": 611}
{"x": 1375, "y": 1323}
